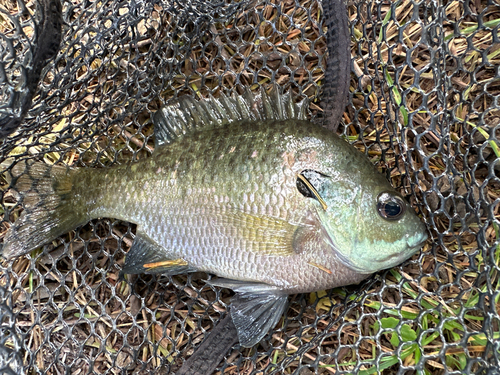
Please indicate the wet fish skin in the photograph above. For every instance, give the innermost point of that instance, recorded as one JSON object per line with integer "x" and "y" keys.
{"x": 191, "y": 205}
{"x": 188, "y": 198}
{"x": 223, "y": 197}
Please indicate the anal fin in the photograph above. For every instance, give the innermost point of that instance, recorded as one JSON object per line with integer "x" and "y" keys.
{"x": 146, "y": 256}
{"x": 255, "y": 314}
{"x": 255, "y": 309}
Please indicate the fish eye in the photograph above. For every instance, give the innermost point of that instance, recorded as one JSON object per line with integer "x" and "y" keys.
{"x": 390, "y": 206}
{"x": 308, "y": 183}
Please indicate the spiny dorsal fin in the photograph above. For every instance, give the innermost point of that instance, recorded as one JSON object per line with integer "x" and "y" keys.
{"x": 187, "y": 113}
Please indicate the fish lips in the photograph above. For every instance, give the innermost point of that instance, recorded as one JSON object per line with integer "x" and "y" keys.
{"x": 414, "y": 244}
{"x": 418, "y": 242}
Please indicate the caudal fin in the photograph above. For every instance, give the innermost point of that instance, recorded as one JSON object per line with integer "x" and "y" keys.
{"x": 50, "y": 208}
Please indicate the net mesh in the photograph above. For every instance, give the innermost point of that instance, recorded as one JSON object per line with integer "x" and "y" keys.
{"x": 423, "y": 106}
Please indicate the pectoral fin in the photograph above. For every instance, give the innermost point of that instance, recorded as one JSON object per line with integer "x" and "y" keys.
{"x": 255, "y": 309}
{"x": 146, "y": 256}
{"x": 262, "y": 234}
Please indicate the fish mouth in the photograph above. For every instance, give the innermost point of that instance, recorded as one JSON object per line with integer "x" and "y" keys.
{"x": 418, "y": 242}
{"x": 414, "y": 244}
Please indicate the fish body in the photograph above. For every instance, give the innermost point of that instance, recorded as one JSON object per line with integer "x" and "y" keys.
{"x": 260, "y": 197}
{"x": 226, "y": 202}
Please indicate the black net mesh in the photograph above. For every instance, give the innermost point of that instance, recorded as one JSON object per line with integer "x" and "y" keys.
{"x": 423, "y": 105}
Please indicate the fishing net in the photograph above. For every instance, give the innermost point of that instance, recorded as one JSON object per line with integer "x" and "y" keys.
{"x": 423, "y": 105}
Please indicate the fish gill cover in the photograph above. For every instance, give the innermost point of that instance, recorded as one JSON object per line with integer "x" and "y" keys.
{"x": 423, "y": 105}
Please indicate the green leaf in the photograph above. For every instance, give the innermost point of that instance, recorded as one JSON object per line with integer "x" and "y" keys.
{"x": 485, "y": 134}
{"x": 418, "y": 354}
{"x": 397, "y": 97}
{"x": 408, "y": 350}
{"x": 407, "y": 333}
{"x": 389, "y": 322}
{"x": 384, "y": 22}
{"x": 426, "y": 341}
{"x": 385, "y": 362}
{"x": 394, "y": 340}
{"x": 471, "y": 29}
{"x": 456, "y": 336}
{"x": 452, "y": 325}
{"x": 425, "y": 323}
{"x": 462, "y": 359}
{"x": 479, "y": 340}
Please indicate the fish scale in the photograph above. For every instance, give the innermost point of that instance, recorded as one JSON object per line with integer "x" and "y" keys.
{"x": 272, "y": 204}
{"x": 187, "y": 215}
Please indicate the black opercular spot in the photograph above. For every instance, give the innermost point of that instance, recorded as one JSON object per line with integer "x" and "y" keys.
{"x": 314, "y": 179}
{"x": 303, "y": 189}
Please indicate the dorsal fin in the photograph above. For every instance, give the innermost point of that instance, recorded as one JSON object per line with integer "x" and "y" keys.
{"x": 186, "y": 114}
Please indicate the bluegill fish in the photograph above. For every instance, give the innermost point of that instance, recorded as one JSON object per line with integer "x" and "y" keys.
{"x": 243, "y": 187}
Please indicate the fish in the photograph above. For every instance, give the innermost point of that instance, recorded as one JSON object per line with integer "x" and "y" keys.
{"x": 240, "y": 186}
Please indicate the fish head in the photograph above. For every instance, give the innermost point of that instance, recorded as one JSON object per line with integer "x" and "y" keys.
{"x": 365, "y": 221}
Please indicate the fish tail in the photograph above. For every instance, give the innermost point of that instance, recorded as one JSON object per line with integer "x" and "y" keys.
{"x": 51, "y": 207}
